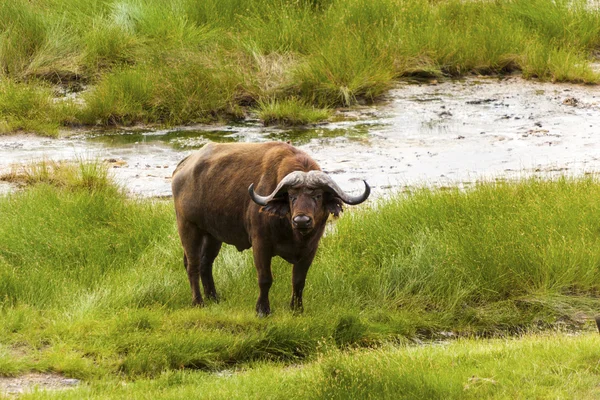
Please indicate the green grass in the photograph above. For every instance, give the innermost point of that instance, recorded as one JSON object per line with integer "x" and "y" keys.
{"x": 191, "y": 92}
{"x": 505, "y": 250}
{"x": 290, "y": 112}
{"x": 542, "y": 367}
{"x": 183, "y": 61}
{"x": 92, "y": 283}
{"x": 26, "y": 107}
{"x": 62, "y": 174}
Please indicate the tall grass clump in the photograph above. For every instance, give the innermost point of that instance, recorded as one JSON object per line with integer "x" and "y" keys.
{"x": 64, "y": 212}
{"x": 216, "y": 13}
{"x": 290, "y": 112}
{"x": 108, "y": 46}
{"x": 34, "y": 45}
{"x": 343, "y": 73}
{"x": 563, "y": 22}
{"x": 279, "y": 27}
{"x": 349, "y": 60}
{"x": 559, "y": 65}
{"x": 22, "y": 35}
{"x": 496, "y": 249}
{"x": 458, "y": 38}
{"x": 90, "y": 175}
{"x": 27, "y": 107}
{"x": 194, "y": 91}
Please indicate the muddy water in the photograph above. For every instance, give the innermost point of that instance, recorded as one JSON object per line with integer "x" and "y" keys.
{"x": 450, "y": 133}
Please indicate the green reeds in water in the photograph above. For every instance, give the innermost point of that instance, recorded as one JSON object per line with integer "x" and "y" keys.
{"x": 290, "y": 112}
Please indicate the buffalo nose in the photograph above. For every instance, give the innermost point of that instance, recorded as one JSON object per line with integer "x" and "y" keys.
{"x": 302, "y": 221}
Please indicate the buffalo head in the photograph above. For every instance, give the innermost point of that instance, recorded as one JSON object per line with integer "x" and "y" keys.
{"x": 306, "y": 198}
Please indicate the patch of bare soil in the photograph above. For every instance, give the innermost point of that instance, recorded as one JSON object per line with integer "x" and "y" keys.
{"x": 7, "y": 187}
{"x": 17, "y": 385}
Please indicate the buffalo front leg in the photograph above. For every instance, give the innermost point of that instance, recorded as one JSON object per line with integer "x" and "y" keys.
{"x": 299, "y": 272}
{"x": 262, "y": 262}
{"x": 210, "y": 251}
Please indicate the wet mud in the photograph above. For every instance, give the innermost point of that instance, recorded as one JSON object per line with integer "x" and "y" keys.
{"x": 449, "y": 133}
{"x": 32, "y": 382}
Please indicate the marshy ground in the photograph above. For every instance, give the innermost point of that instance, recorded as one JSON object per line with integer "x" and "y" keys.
{"x": 432, "y": 133}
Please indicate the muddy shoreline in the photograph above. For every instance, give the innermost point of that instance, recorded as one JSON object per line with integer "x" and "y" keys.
{"x": 448, "y": 133}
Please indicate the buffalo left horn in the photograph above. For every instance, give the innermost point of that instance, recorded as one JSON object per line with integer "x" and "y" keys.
{"x": 321, "y": 179}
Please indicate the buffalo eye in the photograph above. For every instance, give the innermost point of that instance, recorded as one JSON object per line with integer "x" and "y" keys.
{"x": 317, "y": 197}
{"x": 293, "y": 199}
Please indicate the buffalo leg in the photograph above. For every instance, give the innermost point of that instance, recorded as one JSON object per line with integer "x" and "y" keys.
{"x": 262, "y": 262}
{"x": 299, "y": 272}
{"x": 191, "y": 239}
{"x": 210, "y": 251}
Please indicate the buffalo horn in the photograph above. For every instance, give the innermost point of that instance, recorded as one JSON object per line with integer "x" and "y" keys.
{"x": 292, "y": 179}
{"x": 311, "y": 179}
{"x": 320, "y": 179}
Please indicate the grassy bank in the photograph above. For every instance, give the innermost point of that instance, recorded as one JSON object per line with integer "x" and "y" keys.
{"x": 92, "y": 284}
{"x": 183, "y": 61}
{"x": 541, "y": 367}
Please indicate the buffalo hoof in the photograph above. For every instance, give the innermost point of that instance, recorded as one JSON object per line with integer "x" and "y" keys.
{"x": 214, "y": 298}
{"x": 263, "y": 310}
{"x": 296, "y": 308}
{"x": 196, "y": 303}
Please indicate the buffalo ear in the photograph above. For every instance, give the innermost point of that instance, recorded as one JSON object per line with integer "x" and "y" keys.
{"x": 333, "y": 205}
{"x": 277, "y": 207}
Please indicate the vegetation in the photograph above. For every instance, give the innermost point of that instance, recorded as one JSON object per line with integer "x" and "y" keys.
{"x": 289, "y": 112}
{"x": 541, "y": 367}
{"x": 92, "y": 286}
{"x": 66, "y": 62}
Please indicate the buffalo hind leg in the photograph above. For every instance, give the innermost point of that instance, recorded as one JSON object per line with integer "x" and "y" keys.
{"x": 191, "y": 239}
{"x": 210, "y": 251}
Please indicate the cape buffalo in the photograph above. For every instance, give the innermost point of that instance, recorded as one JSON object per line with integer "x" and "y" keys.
{"x": 216, "y": 200}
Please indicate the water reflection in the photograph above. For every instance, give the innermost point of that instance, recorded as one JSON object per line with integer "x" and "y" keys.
{"x": 178, "y": 139}
{"x": 304, "y": 136}
{"x": 184, "y": 139}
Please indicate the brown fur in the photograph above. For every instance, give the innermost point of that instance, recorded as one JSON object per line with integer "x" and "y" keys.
{"x": 210, "y": 190}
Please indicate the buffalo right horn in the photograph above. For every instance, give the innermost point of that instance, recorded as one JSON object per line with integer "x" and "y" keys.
{"x": 292, "y": 179}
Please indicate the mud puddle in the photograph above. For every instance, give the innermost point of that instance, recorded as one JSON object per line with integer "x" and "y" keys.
{"x": 429, "y": 134}
{"x": 28, "y": 383}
